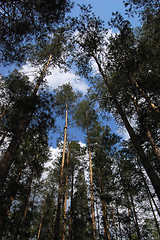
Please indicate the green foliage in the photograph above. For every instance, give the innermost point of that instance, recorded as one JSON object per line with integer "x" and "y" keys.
{"x": 24, "y": 21}
{"x": 129, "y": 64}
{"x": 85, "y": 115}
{"x": 81, "y": 216}
{"x": 65, "y": 97}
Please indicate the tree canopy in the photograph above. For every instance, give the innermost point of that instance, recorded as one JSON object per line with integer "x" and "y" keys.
{"x": 101, "y": 187}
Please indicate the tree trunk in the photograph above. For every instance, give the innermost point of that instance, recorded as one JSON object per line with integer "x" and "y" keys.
{"x": 147, "y": 132}
{"x": 98, "y": 222}
{"x": 22, "y": 125}
{"x": 151, "y": 104}
{"x": 135, "y": 140}
{"x": 105, "y": 220}
{"x": 135, "y": 217}
{"x": 71, "y": 210}
{"x": 21, "y": 222}
{"x": 91, "y": 192}
{"x": 104, "y": 209}
{"x": 53, "y": 222}
{"x": 42, "y": 215}
{"x": 65, "y": 201}
{"x": 57, "y": 222}
{"x": 129, "y": 220}
{"x": 115, "y": 227}
{"x": 147, "y": 189}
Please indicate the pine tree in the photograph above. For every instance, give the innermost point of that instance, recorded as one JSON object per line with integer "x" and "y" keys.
{"x": 95, "y": 47}
{"x": 65, "y": 98}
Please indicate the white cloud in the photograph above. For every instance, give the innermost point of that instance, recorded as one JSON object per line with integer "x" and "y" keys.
{"x": 57, "y": 78}
{"x": 124, "y": 134}
{"x": 54, "y": 153}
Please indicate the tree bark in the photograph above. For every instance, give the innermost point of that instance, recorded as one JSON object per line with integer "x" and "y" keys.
{"x": 155, "y": 219}
{"x": 98, "y": 222}
{"x": 57, "y": 222}
{"x": 91, "y": 192}
{"x": 22, "y": 125}
{"x": 135, "y": 140}
{"x": 151, "y": 104}
{"x": 71, "y": 210}
{"x": 65, "y": 201}
{"x": 104, "y": 211}
{"x": 147, "y": 189}
{"x": 136, "y": 219}
{"x": 42, "y": 215}
{"x": 147, "y": 132}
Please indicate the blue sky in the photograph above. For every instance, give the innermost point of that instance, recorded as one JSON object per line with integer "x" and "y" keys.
{"x": 104, "y": 9}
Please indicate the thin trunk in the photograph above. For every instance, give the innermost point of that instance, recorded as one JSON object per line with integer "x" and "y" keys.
{"x": 21, "y": 222}
{"x": 115, "y": 227}
{"x": 42, "y": 215}
{"x": 50, "y": 230}
{"x": 98, "y": 219}
{"x": 91, "y": 192}
{"x": 5, "y": 109}
{"x": 65, "y": 201}
{"x": 135, "y": 140}
{"x": 57, "y": 222}
{"x": 105, "y": 220}
{"x": 147, "y": 189}
{"x": 135, "y": 217}
{"x": 129, "y": 219}
{"x": 147, "y": 132}
{"x": 22, "y": 125}
{"x": 71, "y": 210}
{"x": 155, "y": 219}
{"x": 53, "y": 222}
{"x": 104, "y": 209}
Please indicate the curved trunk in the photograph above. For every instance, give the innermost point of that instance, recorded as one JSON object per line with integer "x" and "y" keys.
{"x": 135, "y": 140}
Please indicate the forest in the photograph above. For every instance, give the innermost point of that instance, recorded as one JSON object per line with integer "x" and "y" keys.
{"x": 106, "y": 188}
